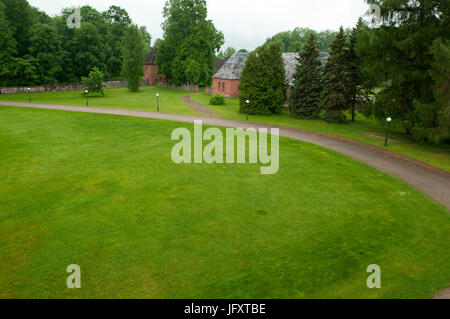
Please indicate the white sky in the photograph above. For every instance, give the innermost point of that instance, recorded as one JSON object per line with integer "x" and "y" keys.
{"x": 245, "y": 24}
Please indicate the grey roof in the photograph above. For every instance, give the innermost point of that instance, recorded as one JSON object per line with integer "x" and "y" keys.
{"x": 150, "y": 59}
{"x": 290, "y": 62}
{"x": 219, "y": 63}
{"x": 232, "y": 69}
{"x": 323, "y": 57}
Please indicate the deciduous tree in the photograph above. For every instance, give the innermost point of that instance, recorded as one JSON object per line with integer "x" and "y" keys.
{"x": 187, "y": 53}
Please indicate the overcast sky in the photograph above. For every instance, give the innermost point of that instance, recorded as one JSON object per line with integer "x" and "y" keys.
{"x": 246, "y": 24}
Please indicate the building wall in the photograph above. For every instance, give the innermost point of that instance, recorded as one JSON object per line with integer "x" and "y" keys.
{"x": 151, "y": 74}
{"x": 231, "y": 87}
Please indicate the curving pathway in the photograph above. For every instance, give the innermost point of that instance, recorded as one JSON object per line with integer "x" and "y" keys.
{"x": 200, "y": 109}
{"x": 430, "y": 180}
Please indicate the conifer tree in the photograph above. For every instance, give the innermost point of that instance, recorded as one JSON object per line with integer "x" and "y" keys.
{"x": 305, "y": 94}
{"x": 133, "y": 51}
{"x": 353, "y": 75}
{"x": 263, "y": 81}
{"x": 334, "y": 95}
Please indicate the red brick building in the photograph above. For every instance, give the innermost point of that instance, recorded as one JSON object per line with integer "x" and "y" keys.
{"x": 151, "y": 69}
{"x": 226, "y": 80}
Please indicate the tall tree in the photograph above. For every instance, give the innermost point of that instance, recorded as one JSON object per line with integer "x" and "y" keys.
{"x": 295, "y": 40}
{"x": 263, "y": 81}
{"x": 147, "y": 40}
{"x": 118, "y": 20}
{"x": 133, "y": 50}
{"x": 45, "y": 47}
{"x": 89, "y": 50}
{"x": 187, "y": 53}
{"x": 335, "y": 92}
{"x": 305, "y": 94}
{"x": 399, "y": 53}
{"x": 354, "y": 79}
{"x": 8, "y": 47}
{"x": 227, "y": 53}
{"x": 20, "y": 17}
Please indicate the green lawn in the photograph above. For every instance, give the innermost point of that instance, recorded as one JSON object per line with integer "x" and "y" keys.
{"x": 145, "y": 100}
{"x": 102, "y": 192}
{"x": 362, "y": 129}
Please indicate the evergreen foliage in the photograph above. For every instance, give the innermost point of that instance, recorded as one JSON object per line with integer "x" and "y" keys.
{"x": 401, "y": 54}
{"x": 263, "y": 81}
{"x": 133, "y": 48}
{"x": 305, "y": 93}
{"x": 335, "y": 92}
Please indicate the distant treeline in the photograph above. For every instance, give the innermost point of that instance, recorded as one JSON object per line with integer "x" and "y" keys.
{"x": 295, "y": 40}
{"x": 36, "y": 48}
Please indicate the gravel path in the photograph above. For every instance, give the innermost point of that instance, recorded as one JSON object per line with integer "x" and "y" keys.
{"x": 430, "y": 180}
{"x": 200, "y": 109}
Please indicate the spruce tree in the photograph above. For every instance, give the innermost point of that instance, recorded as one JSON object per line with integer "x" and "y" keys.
{"x": 305, "y": 94}
{"x": 133, "y": 51}
{"x": 334, "y": 95}
{"x": 354, "y": 77}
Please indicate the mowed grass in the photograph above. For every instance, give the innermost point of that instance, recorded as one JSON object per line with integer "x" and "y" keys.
{"x": 102, "y": 192}
{"x": 144, "y": 100}
{"x": 363, "y": 130}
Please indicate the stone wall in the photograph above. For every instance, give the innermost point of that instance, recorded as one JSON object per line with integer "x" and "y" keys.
{"x": 184, "y": 87}
{"x": 57, "y": 87}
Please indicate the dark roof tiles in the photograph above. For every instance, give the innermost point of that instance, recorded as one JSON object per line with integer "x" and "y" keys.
{"x": 232, "y": 69}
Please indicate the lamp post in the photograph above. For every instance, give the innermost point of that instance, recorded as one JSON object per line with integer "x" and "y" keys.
{"x": 389, "y": 120}
{"x": 87, "y": 97}
{"x": 29, "y": 95}
{"x": 157, "y": 102}
{"x": 246, "y": 107}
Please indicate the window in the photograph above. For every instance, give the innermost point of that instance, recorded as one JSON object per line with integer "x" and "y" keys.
{"x": 219, "y": 86}
{"x": 223, "y": 86}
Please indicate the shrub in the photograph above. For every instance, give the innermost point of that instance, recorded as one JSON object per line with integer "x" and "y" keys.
{"x": 217, "y": 100}
{"x": 94, "y": 82}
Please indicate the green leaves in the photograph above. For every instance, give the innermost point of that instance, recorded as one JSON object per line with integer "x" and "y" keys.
{"x": 400, "y": 54}
{"x": 94, "y": 83}
{"x": 133, "y": 50}
{"x": 187, "y": 53}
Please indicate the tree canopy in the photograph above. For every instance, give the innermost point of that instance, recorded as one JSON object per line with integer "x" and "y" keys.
{"x": 39, "y": 49}
{"x": 401, "y": 53}
{"x": 305, "y": 93}
{"x": 263, "y": 81}
{"x": 133, "y": 48}
{"x": 295, "y": 40}
{"x": 188, "y": 51}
